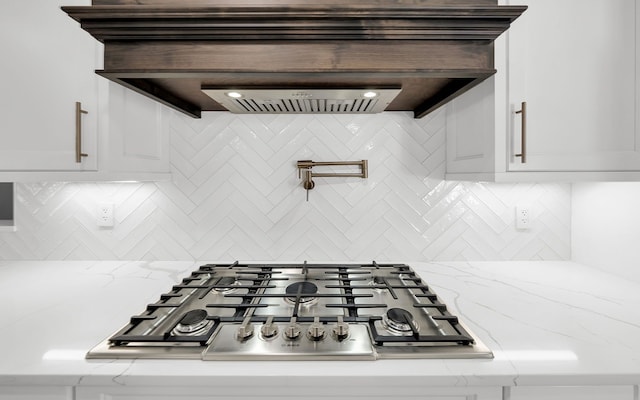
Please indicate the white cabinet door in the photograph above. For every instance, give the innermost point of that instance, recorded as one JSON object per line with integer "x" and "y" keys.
{"x": 47, "y": 66}
{"x": 134, "y": 138}
{"x": 571, "y": 393}
{"x": 472, "y": 130}
{"x": 574, "y": 63}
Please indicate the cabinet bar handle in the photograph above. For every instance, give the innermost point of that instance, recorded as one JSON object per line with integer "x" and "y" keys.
{"x": 79, "y": 112}
{"x": 523, "y": 133}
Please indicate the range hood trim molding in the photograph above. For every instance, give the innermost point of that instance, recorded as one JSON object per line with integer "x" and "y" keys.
{"x": 312, "y": 22}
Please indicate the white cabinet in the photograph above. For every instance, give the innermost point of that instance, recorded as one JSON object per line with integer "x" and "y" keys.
{"x": 36, "y": 393}
{"x": 134, "y": 135}
{"x": 574, "y": 63}
{"x": 278, "y": 391}
{"x": 47, "y": 66}
{"x": 570, "y": 393}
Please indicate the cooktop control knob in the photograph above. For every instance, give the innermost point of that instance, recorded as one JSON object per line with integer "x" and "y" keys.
{"x": 316, "y": 330}
{"x": 292, "y": 331}
{"x": 245, "y": 331}
{"x": 341, "y": 330}
{"x": 269, "y": 329}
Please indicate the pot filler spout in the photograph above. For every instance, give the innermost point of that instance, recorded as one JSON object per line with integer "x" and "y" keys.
{"x": 293, "y": 56}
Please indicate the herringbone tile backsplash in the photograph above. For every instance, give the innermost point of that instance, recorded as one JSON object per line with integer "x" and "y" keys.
{"x": 235, "y": 194}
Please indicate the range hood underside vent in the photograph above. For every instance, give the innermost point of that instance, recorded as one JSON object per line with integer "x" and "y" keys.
{"x": 171, "y": 51}
{"x": 304, "y": 101}
{"x": 304, "y": 106}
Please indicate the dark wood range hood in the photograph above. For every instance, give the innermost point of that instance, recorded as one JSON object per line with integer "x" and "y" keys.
{"x": 171, "y": 50}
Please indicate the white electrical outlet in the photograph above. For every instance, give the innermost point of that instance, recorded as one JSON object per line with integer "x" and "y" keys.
{"x": 523, "y": 217}
{"x": 104, "y": 214}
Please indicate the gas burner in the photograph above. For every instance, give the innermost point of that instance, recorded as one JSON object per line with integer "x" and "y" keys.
{"x": 193, "y": 323}
{"x": 305, "y": 288}
{"x": 228, "y": 281}
{"x": 399, "y": 320}
{"x": 378, "y": 281}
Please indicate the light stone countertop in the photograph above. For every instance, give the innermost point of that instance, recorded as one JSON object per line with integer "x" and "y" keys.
{"x": 548, "y": 323}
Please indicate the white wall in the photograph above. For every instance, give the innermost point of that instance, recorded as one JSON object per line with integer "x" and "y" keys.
{"x": 235, "y": 194}
{"x": 606, "y": 226}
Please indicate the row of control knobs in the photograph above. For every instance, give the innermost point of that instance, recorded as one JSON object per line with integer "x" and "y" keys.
{"x": 293, "y": 331}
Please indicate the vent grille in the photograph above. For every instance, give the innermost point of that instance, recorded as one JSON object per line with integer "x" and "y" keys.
{"x": 309, "y": 101}
{"x": 307, "y": 106}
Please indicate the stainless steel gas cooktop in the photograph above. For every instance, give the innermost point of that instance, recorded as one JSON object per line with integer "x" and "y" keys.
{"x": 295, "y": 312}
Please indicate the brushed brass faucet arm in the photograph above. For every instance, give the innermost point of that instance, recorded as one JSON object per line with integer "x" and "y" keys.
{"x": 307, "y": 166}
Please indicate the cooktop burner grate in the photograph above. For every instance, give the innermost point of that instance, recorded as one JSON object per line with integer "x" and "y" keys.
{"x": 258, "y": 311}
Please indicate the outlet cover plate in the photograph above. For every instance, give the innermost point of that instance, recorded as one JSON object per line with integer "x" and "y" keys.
{"x": 523, "y": 217}
{"x": 104, "y": 215}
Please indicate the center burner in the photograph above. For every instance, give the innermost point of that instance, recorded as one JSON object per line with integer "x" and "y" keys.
{"x": 302, "y": 290}
{"x": 193, "y": 323}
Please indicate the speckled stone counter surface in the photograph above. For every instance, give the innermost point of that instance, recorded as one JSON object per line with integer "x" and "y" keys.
{"x": 548, "y": 323}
